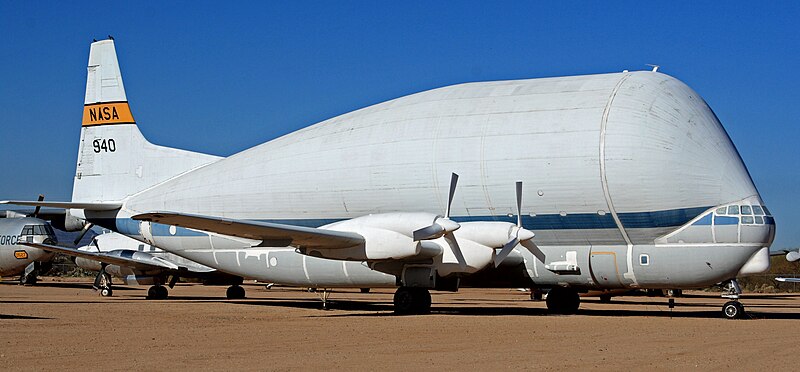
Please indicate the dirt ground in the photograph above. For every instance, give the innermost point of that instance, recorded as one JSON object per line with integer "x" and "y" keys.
{"x": 58, "y": 325}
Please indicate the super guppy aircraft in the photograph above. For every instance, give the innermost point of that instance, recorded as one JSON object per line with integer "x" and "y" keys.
{"x": 623, "y": 180}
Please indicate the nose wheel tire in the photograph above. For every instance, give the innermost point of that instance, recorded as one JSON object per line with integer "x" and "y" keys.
{"x": 733, "y": 310}
{"x": 408, "y": 300}
{"x": 235, "y": 292}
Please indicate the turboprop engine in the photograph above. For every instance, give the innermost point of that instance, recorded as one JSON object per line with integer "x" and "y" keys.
{"x": 451, "y": 247}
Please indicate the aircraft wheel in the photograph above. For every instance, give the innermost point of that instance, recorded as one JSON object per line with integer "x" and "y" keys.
{"x": 733, "y": 310}
{"x": 106, "y": 292}
{"x": 605, "y": 298}
{"x": 562, "y": 300}
{"x": 364, "y": 290}
{"x": 537, "y": 294}
{"x": 674, "y": 292}
{"x": 28, "y": 279}
{"x": 412, "y": 301}
{"x": 157, "y": 292}
{"x": 235, "y": 292}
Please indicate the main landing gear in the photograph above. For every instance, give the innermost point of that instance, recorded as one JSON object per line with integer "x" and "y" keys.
{"x": 562, "y": 300}
{"x": 412, "y": 300}
{"x": 235, "y": 292}
{"x": 733, "y": 309}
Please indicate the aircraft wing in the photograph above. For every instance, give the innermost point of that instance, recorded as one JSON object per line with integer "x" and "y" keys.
{"x": 273, "y": 234}
{"x": 66, "y": 205}
{"x": 788, "y": 280}
{"x": 147, "y": 264}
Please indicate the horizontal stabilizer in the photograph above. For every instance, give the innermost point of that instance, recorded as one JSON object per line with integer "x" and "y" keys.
{"x": 149, "y": 264}
{"x": 272, "y": 234}
{"x": 66, "y": 205}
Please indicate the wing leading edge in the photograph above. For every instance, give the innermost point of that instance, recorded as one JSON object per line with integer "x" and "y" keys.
{"x": 151, "y": 263}
{"x": 272, "y": 234}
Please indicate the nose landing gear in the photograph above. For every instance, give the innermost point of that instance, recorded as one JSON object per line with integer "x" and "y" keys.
{"x": 733, "y": 309}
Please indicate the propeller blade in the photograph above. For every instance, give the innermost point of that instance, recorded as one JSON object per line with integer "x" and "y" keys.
{"x": 505, "y": 251}
{"x": 533, "y": 248}
{"x": 519, "y": 203}
{"x": 430, "y": 232}
{"x": 38, "y": 207}
{"x": 453, "y": 182}
{"x": 83, "y": 232}
{"x": 451, "y": 240}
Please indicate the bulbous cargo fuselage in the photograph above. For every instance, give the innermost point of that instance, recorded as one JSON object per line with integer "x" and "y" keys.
{"x": 622, "y": 175}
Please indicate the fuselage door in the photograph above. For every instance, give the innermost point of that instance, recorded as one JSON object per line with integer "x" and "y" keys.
{"x": 604, "y": 268}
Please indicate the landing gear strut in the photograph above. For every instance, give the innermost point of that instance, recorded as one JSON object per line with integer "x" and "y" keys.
{"x": 561, "y": 300}
{"x": 102, "y": 282}
{"x": 733, "y": 309}
{"x": 157, "y": 292}
{"x": 235, "y": 292}
{"x": 411, "y": 300}
{"x": 31, "y": 274}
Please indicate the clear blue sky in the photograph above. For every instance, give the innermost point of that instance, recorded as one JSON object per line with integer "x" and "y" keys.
{"x": 219, "y": 78}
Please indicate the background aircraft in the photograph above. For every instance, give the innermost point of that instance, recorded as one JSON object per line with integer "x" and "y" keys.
{"x": 630, "y": 181}
{"x": 19, "y": 259}
{"x": 112, "y": 254}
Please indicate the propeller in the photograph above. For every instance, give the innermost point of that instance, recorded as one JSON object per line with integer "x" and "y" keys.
{"x": 520, "y": 235}
{"x": 38, "y": 207}
{"x": 85, "y": 229}
{"x": 444, "y": 226}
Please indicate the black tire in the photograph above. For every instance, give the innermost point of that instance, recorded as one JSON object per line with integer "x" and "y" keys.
{"x": 562, "y": 300}
{"x": 404, "y": 301}
{"x": 605, "y": 298}
{"x": 29, "y": 279}
{"x": 235, "y": 292}
{"x": 536, "y": 295}
{"x": 106, "y": 292}
{"x": 364, "y": 290}
{"x": 423, "y": 301}
{"x": 733, "y": 310}
{"x": 162, "y": 291}
{"x": 152, "y": 293}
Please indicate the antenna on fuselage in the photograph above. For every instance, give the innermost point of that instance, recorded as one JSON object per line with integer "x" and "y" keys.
{"x": 655, "y": 67}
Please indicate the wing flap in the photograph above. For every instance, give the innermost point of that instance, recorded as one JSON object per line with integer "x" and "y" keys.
{"x": 270, "y": 233}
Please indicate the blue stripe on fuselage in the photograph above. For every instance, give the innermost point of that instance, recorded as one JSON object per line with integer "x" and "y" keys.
{"x": 574, "y": 221}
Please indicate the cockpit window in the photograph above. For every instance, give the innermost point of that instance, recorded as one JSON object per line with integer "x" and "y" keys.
{"x": 27, "y": 230}
{"x": 721, "y": 210}
{"x": 733, "y": 209}
{"x": 747, "y": 220}
{"x": 746, "y": 209}
{"x": 757, "y": 210}
{"x": 766, "y": 210}
{"x": 759, "y": 220}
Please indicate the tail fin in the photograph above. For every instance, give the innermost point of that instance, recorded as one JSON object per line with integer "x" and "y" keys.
{"x": 114, "y": 159}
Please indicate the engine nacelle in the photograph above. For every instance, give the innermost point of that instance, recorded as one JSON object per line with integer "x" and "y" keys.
{"x": 380, "y": 244}
{"x": 477, "y": 256}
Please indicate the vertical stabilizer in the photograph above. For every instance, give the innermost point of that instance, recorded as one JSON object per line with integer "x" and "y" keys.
{"x": 114, "y": 159}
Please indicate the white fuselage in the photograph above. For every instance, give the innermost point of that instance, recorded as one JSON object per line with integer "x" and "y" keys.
{"x": 616, "y": 167}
